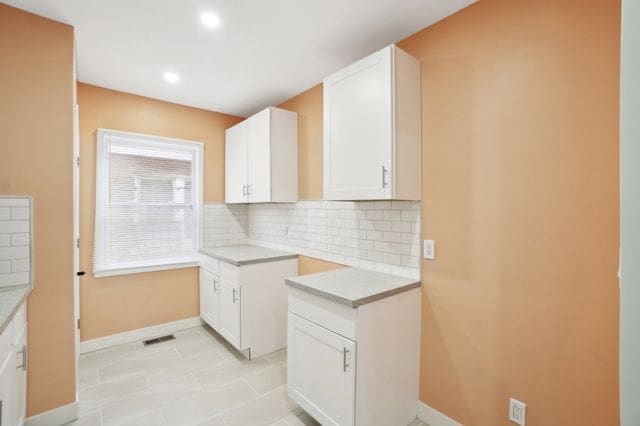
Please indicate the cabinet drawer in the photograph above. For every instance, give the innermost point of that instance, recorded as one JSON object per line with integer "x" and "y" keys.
{"x": 230, "y": 272}
{"x": 335, "y": 317}
{"x": 209, "y": 263}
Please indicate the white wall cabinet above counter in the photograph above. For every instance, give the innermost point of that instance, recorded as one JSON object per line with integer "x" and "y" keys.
{"x": 372, "y": 129}
{"x": 261, "y": 158}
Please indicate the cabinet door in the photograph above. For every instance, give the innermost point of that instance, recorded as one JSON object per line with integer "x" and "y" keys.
{"x": 358, "y": 130}
{"x": 20, "y": 387}
{"x": 321, "y": 372}
{"x": 230, "y": 312}
{"x": 260, "y": 157}
{"x": 7, "y": 389}
{"x": 209, "y": 298}
{"x": 235, "y": 161}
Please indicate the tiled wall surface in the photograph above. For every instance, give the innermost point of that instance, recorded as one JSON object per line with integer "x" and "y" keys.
{"x": 379, "y": 235}
{"x": 224, "y": 225}
{"x": 15, "y": 240}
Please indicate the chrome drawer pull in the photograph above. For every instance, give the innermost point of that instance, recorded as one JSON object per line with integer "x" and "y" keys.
{"x": 345, "y": 351}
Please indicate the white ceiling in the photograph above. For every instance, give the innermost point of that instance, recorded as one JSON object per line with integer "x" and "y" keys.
{"x": 264, "y": 52}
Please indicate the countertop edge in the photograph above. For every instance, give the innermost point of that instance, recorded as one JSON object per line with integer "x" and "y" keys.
{"x": 357, "y": 302}
{"x": 251, "y": 261}
{"x": 14, "y": 310}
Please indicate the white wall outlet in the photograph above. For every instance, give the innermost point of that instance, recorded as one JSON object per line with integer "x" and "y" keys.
{"x": 429, "y": 249}
{"x": 517, "y": 411}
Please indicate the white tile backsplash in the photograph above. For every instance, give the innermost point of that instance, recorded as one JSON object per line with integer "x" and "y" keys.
{"x": 379, "y": 235}
{"x": 15, "y": 240}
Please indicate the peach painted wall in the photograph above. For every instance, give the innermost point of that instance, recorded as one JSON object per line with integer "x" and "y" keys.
{"x": 520, "y": 191}
{"x": 127, "y": 302}
{"x": 308, "y": 105}
{"x": 36, "y": 137}
{"x": 311, "y": 265}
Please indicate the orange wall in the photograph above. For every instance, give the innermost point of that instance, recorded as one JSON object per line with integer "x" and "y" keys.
{"x": 308, "y": 105}
{"x": 520, "y": 191}
{"x": 520, "y": 164}
{"x": 36, "y": 135}
{"x": 127, "y": 302}
{"x": 311, "y": 265}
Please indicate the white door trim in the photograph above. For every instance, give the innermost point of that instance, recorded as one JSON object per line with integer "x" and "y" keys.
{"x": 139, "y": 334}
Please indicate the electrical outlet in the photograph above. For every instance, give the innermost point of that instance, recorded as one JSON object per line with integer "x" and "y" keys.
{"x": 429, "y": 249}
{"x": 517, "y": 411}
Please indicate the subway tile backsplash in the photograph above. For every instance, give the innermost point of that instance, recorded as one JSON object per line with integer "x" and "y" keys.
{"x": 15, "y": 240}
{"x": 379, "y": 235}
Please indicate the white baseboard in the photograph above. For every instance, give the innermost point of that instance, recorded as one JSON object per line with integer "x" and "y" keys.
{"x": 433, "y": 417}
{"x": 139, "y": 334}
{"x": 57, "y": 416}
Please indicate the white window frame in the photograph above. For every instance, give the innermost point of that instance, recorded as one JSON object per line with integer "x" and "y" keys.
{"x": 102, "y": 179}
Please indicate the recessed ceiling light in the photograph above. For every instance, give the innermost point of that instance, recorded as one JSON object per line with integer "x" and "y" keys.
{"x": 171, "y": 77}
{"x": 210, "y": 20}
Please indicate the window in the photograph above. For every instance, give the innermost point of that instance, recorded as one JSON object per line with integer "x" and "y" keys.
{"x": 148, "y": 195}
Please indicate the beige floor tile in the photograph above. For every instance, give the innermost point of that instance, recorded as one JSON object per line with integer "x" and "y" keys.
{"x": 268, "y": 379}
{"x": 137, "y": 364}
{"x": 277, "y": 357}
{"x": 180, "y": 367}
{"x": 196, "y": 409}
{"x": 87, "y": 377}
{"x": 228, "y": 372}
{"x": 95, "y": 396}
{"x": 263, "y": 410}
{"x": 149, "y": 419}
{"x": 216, "y": 421}
{"x": 151, "y": 399}
{"x": 105, "y": 356}
{"x": 92, "y": 418}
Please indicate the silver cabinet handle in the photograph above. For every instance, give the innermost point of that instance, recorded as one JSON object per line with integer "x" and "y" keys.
{"x": 24, "y": 359}
{"x": 234, "y": 295}
{"x": 214, "y": 285}
{"x": 248, "y": 189}
{"x": 244, "y": 190}
{"x": 384, "y": 176}
{"x": 345, "y": 351}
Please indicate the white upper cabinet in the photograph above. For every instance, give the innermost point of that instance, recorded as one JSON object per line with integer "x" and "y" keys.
{"x": 372, "y": 138}
{"x": 261, "y": 158}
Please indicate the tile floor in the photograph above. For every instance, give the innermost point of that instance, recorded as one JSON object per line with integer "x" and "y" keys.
{"x": 196, "y": 379}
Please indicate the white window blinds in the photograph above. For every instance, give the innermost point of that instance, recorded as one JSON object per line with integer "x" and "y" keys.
{"x": 148, "y": 197}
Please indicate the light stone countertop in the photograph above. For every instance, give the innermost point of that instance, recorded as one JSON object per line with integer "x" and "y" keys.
{"x": 247, "y": 254}
{"x": 353, "y": 287}
{"x": 11, "y": 297}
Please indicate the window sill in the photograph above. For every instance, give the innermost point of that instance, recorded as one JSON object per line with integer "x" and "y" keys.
{"x": 142, "y": 269}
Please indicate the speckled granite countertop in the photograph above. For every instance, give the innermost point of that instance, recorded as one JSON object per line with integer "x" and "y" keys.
{"x": 247, "y": 254}
{"x": 11, "y": 298}
{"x": 352, "y": 286}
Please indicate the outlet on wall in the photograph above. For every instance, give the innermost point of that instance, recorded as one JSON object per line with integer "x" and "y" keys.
{"x": 429, "y": 249}
{"x": 517, "y": 411}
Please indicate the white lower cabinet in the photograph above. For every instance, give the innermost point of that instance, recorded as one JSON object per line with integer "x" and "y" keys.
{"x": 247, "y": 305}
{"x": 13, "y": 370}
{"x": 354, "y": 366}
{"x": 321, "y": 371}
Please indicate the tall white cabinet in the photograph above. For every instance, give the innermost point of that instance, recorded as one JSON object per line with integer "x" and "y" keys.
{"x": 261, "y": 158}
{"x": 372, "y": 137}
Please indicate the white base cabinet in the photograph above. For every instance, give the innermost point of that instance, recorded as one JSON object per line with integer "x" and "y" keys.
{"x": 247, "y": 305}
{"x": 13, "y": 370}
{"x": 354, "y": 366}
